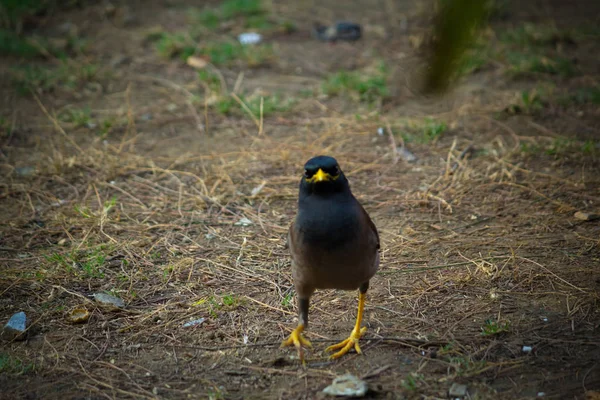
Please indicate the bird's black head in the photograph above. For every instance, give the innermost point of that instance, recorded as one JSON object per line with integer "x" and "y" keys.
{"x": 322, "y": 175}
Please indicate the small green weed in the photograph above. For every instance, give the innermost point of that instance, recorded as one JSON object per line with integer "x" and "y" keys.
{"x": 210, "y": 19}
{"x": 211, "y": 79}
{"x": 409, "y": 383}
{"x": 560, "y": 146}
{"x": 106, "y": 127}
{"x": 472, "y": 61}
{"x": 77, "y": 116}
{"x": 170, "y": 45}
{"x": 530, "y": 102}
{"x": 222, "y": 53}
{"x": 491, "y": 328}
{"x": 229, "y": 300}
{"x": 432, "y": 130}
{"x": 286, "y": 301}
{"x": 84, "y": 211}
{"x": 12, "y": 365}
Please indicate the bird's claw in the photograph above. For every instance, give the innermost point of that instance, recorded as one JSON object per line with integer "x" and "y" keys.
{"x": 345, "y": 345}
{"x": 298, "y": 340}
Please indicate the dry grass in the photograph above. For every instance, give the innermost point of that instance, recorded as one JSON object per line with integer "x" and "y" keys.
{"x": 477, "y": 241}
{"x": 481, "y": 254}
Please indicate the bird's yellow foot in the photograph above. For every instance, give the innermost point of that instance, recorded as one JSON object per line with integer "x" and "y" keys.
{"x": 298, "y": 340}
{"x": 346, "y": 345}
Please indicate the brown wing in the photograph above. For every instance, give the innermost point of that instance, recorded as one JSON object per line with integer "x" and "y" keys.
{"x": 372, "y": 226}
{"x": 290, "y": 233}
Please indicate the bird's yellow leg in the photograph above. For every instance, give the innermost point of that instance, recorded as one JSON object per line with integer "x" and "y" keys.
{"x": 357, "y": 332}
{"x": 298, "y": 340}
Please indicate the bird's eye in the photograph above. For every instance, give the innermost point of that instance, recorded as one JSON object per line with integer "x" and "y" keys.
{"x": 308, "y": 173}
{"x": 336, "y": 170}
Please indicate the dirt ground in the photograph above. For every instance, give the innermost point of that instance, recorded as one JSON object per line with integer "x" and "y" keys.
{"x": 134, "y": 180}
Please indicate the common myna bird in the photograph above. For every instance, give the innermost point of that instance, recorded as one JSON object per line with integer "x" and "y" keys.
{"x": 333, "y": 244}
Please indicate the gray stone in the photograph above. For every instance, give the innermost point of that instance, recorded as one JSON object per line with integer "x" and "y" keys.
{"x": 15, "y": 327}
{"x": 457, "y": 390}
{"x": 348, "y": 386}
{"x": 108, "y": 300}
{"x": 584, "y": 216}
{"x": 193, "y": 323}
{"x": 25, "y": 171}
{"x": 406, "y": 154}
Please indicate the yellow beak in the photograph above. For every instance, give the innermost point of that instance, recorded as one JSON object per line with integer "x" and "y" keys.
{"x": 321, "y": 176}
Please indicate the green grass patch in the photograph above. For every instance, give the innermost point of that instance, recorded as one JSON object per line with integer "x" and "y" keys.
{"x": 563, "y": 147}
{"x": 422, "y": 132}
{"x": 170, "y": 45}
{"x": 589, "y": 95}
{"x": 529, "y": 49}
{"x": 84, "y": 263}
{"x": 525, "y": 64}
{"x": 42, "y": 79}
{"x": 271, "y": 104}
{"x": 222, "y": 53}
{"x": 237, "y": 8}
{"x": 12, "y": 44}
{"x": 367, "y": 87}
{"x": 77, "y": 116}
{"x": 253, "y": 13}
{"x": 492, "y": 328}
{"x": 530, "y": 102}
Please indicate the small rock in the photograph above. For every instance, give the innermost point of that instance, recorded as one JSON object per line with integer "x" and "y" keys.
{"x": 380, "y": 131}
{"x": 118, "y": 60}
{"x": 406, "y": 154}
{"x": 109, "y": 300}
{"x": 25, "y": 171}
{"x": 193, "y": 322}
{"x": 527, "y": 349}
{"x": 457, "y": 390}
{"x": 243, "y": 222}
{"x": 250, "y": 38}
{"x": 340, "y": 31}
{"x": 196, "y": 62}
{"x": 258, "y": 188}
{"x": 171, "y": 107}
{"x": 347, "y": 385}
{"x": 586, "y": 216}
{"x": 15, "y": 327}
